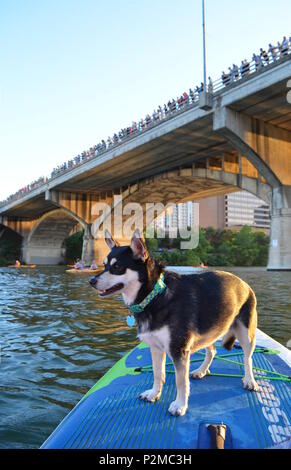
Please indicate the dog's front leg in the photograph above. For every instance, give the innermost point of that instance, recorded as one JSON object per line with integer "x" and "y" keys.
{"x": 182, "y": 365}
{"x": 159, "y": 363}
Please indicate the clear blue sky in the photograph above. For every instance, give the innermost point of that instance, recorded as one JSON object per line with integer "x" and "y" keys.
{"x": 75, "y": 71}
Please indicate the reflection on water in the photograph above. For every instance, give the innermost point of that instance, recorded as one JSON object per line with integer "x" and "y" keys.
{"x": 57, "y": 338}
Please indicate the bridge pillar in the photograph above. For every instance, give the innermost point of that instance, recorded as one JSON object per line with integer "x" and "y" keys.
{"x": 97, "y": 249}
{"x": 265, "y": 146}
{"x": 88, "y": 251}
{"x": 24, "y": 251}
{"x": 268, "y": 148}
{"x": 280, "y": 234}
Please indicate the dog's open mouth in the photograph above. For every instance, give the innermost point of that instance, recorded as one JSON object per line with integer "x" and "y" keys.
{"x": 111, "y": 290}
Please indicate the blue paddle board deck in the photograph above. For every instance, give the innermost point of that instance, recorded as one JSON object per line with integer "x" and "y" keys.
{"x": 110, "y": 416}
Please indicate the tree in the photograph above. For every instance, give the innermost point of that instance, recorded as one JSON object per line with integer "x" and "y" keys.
{"x": 216, "y": 248}
{"x": 263, "y": 249}
{"x": 74, "y": 246}
{"x": 244, "y": 247}
{"x": 152, "y": 245}
{"x": 9, "y": 251}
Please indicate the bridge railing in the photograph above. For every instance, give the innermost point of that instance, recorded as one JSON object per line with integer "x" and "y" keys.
{"x": 258, "y": 64}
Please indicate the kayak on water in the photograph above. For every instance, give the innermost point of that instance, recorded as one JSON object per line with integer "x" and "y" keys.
{"x": 83, "y": 271}
{"x": 28, "y": 266}
{"x": 110, "y": 416}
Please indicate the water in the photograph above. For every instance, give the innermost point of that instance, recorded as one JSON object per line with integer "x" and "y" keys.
{"x": 57, "y": 338}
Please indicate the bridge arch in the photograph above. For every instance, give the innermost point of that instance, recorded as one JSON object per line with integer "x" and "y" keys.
{"x": 45, "y": 243}
{"x": 190, "y": 184}
{"x": 10, "y": 243}
{"x": 201, "y": 180}
{"x": 9, "y": 233}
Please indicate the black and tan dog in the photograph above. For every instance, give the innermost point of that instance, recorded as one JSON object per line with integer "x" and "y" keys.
{"x": 186, "y": 313}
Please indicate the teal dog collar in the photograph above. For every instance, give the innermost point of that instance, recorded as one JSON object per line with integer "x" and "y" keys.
{"x": 159, "y": 287}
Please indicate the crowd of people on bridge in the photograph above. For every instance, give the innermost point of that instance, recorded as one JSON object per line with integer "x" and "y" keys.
{"x": 260, "y": 60}
{"x": 173, "y": 106}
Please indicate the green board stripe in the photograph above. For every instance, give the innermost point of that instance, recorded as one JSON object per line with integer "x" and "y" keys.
{"x": 118, "y": 370}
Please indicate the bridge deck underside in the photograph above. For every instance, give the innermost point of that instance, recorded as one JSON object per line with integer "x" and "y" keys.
{"x": 270, "y": 105}
{"x": 178, "y": 148}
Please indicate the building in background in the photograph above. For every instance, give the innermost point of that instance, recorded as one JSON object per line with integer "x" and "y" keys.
{"x": 212, "y": 212}
{"x": 243, "y": 208}
{"x": 178, "y": 216}
{"x": 230, "y": 210}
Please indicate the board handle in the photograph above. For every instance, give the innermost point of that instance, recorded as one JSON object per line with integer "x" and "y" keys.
{"x": 218, "y": 433}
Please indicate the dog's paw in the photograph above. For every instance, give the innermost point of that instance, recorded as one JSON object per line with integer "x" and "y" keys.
{"x": 199, "y": 373}
{"x": 150, "y": 395}
{"x": 177, "y": 408}
{"x": 250, "y": 384}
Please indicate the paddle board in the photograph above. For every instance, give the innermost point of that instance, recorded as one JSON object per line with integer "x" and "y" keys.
{"x": 110, "y": 416}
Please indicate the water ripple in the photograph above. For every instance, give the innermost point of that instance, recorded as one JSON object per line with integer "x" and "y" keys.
{"x": 58, "y": 338}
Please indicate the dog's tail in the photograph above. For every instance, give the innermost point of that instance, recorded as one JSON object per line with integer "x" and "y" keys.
{"x": 228, "y": 340}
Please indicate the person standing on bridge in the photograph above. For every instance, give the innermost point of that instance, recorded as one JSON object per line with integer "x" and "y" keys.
{"x": 231, "y": 76}
{"x": 192, "y": 95}
{"x": 210, "y": 85}
{"x": 264, "y": 56}
{"x": 285, "y": 46}
{"x": 235, "y": 72}
{"x": 272, "y": 51}
{"x": 186, "y": 97}
{"x": 257, "y": 60}
{"x": 226, "y": 78}
{"x": 279, "y": 47}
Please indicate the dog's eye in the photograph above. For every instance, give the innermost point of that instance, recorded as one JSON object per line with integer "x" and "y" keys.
{"x": 117, "y": 268}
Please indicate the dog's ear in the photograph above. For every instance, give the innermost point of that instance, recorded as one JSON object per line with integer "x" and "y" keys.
{"x": 138, "y": 247}
{"x": 109, "y": 240}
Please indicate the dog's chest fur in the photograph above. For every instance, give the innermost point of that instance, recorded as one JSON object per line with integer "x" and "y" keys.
{"x": 157, "y": 339}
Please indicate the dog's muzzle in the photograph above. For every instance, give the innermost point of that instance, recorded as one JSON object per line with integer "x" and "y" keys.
{"x": 110, "y": 290}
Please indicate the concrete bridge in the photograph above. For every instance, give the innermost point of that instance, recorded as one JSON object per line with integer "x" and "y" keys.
{"x": 241, "y": 139}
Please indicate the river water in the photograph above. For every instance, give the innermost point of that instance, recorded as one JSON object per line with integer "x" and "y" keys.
{"x": 57, "y": 339}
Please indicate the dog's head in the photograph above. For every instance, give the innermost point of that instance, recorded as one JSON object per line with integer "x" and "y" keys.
{"x": 125, "y": 269}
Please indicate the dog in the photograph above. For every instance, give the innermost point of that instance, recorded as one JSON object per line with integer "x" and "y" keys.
{"x": 186, "y": 313}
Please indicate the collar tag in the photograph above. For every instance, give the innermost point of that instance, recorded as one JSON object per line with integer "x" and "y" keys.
{"x": 130, "y": 320}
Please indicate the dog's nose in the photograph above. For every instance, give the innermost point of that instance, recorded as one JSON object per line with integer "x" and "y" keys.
{"x": 92, "y": 281}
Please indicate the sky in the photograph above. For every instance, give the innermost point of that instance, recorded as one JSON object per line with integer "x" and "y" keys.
{"x": 75, "y": 71}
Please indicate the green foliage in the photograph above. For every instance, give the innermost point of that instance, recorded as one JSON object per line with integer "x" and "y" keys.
{"x": 74, "y": 245}
{"x": 178, "y": 257}
{"x": 152, "y": 245}
{"x": 244, "y": 247}
{"x": 215, "y": 248}
{"x": 9, "y": 251}
{"x": 262, "y": 242}
{"x": 3, "y": 261}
